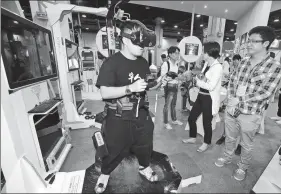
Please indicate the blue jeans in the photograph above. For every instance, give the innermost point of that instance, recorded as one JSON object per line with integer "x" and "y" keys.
{"x": 170, "y": 102}
{"x": 246, "y": 127}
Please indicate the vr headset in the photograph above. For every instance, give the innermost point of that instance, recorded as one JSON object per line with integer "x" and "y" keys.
{"x": 143, "y": 38}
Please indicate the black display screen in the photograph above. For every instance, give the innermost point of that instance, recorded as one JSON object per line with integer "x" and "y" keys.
{"x": 27, "y": 51}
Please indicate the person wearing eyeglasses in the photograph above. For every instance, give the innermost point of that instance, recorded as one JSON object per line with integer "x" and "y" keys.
{"x": 250, "y": 88}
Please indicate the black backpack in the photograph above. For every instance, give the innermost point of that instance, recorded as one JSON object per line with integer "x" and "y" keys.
{"x": 159, "y": 72}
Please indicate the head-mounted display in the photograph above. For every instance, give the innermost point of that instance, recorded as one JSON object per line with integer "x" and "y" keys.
{"x": 143, "y": 37}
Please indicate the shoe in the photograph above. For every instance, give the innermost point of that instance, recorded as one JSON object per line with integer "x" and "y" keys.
{"x": 221, "y": 140}
{"x": 101, "y": 183}
{"x": 238, "y": 150}
{"x": 239, "y": 174}
{"x": 190, "y": 140}
{"x": 221, "y": 162}
{"x": 168, "y": 126}
{"x": 148, "y": 173}
{"x": 203, "y": 148}
{"x": 177, "y": 122}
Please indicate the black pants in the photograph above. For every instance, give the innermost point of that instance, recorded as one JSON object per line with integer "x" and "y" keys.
{"x": 123, "y": 137}
{"x": 203, "y": 104}
{"x": 279, "y": 106}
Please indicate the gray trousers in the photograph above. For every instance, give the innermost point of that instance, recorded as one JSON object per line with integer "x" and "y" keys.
{"x": 245, "y": 127}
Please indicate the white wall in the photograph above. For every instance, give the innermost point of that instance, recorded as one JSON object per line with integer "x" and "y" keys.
{"x": 167, "y": 42}
{"x": 257, "y": 16}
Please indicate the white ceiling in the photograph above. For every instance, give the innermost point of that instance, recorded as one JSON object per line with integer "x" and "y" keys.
{"x": 236, "y": 9}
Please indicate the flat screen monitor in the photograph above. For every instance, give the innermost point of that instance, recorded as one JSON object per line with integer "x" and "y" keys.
{"x": 27, "y": 51}
{"x": 73, "y": 57}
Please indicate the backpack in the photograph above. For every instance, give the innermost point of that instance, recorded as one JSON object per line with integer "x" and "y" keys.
{"x": 159, "y": 72}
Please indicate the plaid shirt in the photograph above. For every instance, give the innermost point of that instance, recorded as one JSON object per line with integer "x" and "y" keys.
{"x": 262, "y": 81}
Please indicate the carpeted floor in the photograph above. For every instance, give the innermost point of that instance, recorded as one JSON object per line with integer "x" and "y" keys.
{"x": 215, "y": 180}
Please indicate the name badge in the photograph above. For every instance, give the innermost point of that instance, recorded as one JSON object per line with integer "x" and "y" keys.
{"x": 241, "y": 91}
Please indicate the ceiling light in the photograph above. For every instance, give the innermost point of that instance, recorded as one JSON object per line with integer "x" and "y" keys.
{"x": 178, "y": 32}
{"x": 205, "y": 6}
{"x": 235, "y": 23}
{"x": 201, "y": 25}
{"x": 198, "y": 16}
{"x": 162, "y": 21}
{"x": 87, "y": 28}
{"x": 276, "y": 20}
{"x": 226, "y": 11}
{"x": 232, "y": 30}
{"x": 84, "y": 16}
{"x": 175, "y": 26}
{"x": 227, "y": 38}
{"x": 16, "y": 22}
{"x": 22, "y": 10}
{"x": 182, "y": 2}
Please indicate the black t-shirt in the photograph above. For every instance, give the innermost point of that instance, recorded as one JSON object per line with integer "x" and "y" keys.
{"x": 119, "y": 71}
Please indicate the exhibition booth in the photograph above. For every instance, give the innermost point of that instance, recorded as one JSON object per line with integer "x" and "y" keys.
{"x": 48, "y": 78}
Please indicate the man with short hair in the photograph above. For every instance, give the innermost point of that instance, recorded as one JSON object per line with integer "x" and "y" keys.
{"x": 250, "y": 89}
{"x": 171, "y": 87}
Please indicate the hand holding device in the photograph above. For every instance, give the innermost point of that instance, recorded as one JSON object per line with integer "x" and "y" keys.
{"x": 138, "y": 86}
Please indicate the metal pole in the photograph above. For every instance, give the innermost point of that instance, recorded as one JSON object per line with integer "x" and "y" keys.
{"x": 192, "y": 20}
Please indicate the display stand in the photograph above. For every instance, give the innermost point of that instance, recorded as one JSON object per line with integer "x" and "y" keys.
{"x": 55, "y": 15}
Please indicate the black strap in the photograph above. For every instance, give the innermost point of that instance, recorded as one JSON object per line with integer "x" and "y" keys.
{"x": 168, "y": 65}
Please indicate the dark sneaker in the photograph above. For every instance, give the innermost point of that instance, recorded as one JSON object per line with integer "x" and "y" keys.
{"x": 221, "y": 140}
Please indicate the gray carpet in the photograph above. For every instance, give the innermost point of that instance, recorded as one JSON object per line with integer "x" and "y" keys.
{"x": 215, "y": 180}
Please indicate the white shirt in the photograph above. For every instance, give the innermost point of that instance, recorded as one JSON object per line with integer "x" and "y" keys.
{"x": 173, "y": 67}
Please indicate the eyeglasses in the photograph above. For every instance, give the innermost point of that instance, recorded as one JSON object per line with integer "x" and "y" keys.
{"x": 253, "y": 41}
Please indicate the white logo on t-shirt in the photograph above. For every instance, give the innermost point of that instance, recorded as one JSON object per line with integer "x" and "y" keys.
{"x": 132, "y": 77}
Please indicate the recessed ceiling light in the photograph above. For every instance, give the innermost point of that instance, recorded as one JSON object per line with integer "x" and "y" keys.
{"x": 226, "y": 11}
{"x": 276, "y": 20}
{"x": 178, "y": 32}
{"x": 201, "y": 25}
{"x": 162, "y": 21}
{"x": 227, "y": 38}
{"x": 198, "y": 16}
{"x": 84, "y": 16}
{"x": 232, "y": 30}
{"x": 182, "y": 2}
{"x": 205, "y": 6}
{"x": 235, "y": 23}
{"x": 87, "y": 28}
{"x": 16, "y": 22}
{"x": 175, "y": 26}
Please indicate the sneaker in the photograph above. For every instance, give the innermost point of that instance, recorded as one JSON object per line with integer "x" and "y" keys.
{"x": 221, "y": 140}
{"x": 221, "y": 162}
{"x": 177, "y": 122}
{"x": 168, "y": 126}
{"x": 239, "y": 174}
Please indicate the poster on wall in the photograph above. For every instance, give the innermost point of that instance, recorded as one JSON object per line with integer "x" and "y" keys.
{"x": 105, "y": 43}
{"x": 191, "y": 49}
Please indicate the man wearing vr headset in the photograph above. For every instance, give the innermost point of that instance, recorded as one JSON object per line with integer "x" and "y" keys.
{"x": 128, "y": 127}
